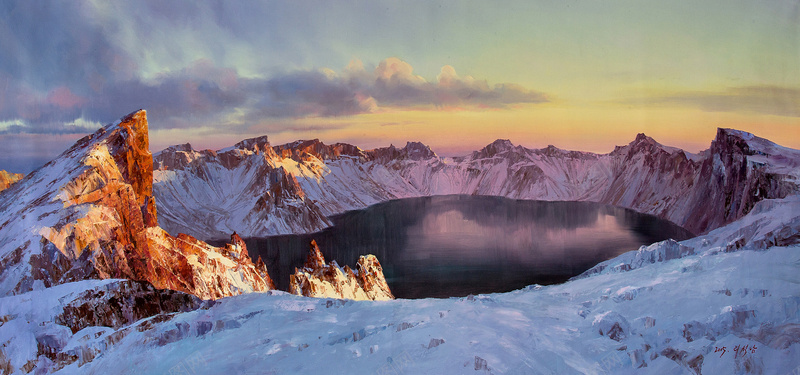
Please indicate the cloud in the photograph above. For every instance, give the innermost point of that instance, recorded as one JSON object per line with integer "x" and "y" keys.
{"x": 200, "y": 92}
{"x": 308, "y": 93}
{"x": 392, "y": 83}
{"x": 70, "y": 65}
{"x": 762, "y": 99}
{"x": 203, "y": 93}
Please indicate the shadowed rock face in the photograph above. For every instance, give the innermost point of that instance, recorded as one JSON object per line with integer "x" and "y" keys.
{"x": 318, "y": 279}
{"x": 736, "y": 176}
{"x": 90, "y": 213}
{"x": 122, "y": 303}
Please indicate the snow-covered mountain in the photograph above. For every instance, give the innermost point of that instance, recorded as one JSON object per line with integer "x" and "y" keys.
{"x": 89, "y": 282}
{"x": 257, "y": 189}
{"x": 727, "y": 302}
{"x": 90, "y": 214}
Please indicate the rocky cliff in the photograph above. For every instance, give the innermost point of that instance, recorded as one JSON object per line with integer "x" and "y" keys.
{"x": 90, "y": 214}
{"x": 318, "y": 279}
{"x": 292, "y": 188}
{"x": 6, "y": 179}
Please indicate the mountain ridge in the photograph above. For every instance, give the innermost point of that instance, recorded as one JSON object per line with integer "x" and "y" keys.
{"x": 90, "y": 214}
{"x": 313, "y": 180}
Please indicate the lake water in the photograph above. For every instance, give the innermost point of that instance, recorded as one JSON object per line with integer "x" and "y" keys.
{"x": 457, "y": 245}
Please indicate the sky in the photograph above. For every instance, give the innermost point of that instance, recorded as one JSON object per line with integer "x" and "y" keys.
{"x": 580, "y": 75}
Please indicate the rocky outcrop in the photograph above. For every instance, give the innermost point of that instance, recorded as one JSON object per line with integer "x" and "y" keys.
{"x": 318, "y": 279}
{"x": 309, "y": 181}
{"x": 306, "y": 150}
{"x": 73, "y": 324}
{"x": 6, "y": 179}
{"x": 739, "y": 171}
{"x": 122, "y": 303}
{"x": 411, "y": 151}
{"x": 90, "y": 214}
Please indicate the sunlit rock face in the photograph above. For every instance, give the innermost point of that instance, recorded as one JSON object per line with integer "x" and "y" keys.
{"x": 90, "y": 214}
{"x": 6, "y": 179}
{"x": 318, "y": 279}
{"x": 259, "y": 190}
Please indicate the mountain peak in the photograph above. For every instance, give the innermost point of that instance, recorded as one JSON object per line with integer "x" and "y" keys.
{"x": 497, "y": 147}
{"x": 502, "y": 143}
{"x": 732, "y": 141}
{"x": 185, "y": 147}
{"x": 411, "y": 151}
{"x": 643, "y": 138}
{"x": 301, "y": 149}
{"x": 721, "y": 132}
{"x": 128, "y": 144}
{"x": 315, "y": 258}
{"x": 317, "y": 279}
{"x": 642, "y": 143}
{"x": 97, "y": 220}
{"x": 261, "y": 142}
{"x": 418, "y": 151}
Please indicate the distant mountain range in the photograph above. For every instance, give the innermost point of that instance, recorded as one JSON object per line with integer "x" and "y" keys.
{"x": 257, "y": 189}
{"x": 91, "y": 283}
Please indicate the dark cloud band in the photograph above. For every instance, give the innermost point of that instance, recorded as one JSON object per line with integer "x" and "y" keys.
{"x": 762, "y": 99}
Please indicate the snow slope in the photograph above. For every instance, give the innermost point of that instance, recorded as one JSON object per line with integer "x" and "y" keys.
{"x": 257, "y": 189}
{"x": 90, "y": 214}
{"x": 726, "y": 302}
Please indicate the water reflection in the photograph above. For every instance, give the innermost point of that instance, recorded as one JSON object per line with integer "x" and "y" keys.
{"x": 455, "y": 245}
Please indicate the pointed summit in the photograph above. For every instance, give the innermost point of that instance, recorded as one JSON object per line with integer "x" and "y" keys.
{"x": 418, "y": 151}
{"x": 317, "y": 279}
{"x": 259, "y": 143}
{"x": 315, "y": 259}
{"x": 642, "y": 144}
{"x": 95, "y": 218}
{"x": 642, "y": 138}
{"x": 497, "y": 147}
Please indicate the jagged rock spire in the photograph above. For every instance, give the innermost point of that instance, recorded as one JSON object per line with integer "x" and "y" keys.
{"x": 317, "y": 279}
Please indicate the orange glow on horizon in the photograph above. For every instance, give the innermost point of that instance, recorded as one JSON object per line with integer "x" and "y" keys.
{"x": 597, "y": 128}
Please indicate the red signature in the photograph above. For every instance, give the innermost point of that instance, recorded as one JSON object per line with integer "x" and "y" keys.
{"x": 739, "y": 350}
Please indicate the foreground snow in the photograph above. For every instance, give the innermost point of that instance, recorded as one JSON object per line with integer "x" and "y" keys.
{"x": 724, "y": 303}
{"x": 669, "y": 315}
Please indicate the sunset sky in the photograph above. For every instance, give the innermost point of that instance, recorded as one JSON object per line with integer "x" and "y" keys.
{"x": 582, "y": 75}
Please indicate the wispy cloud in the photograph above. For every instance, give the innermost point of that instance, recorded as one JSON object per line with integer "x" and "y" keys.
{"x": 392, "y": 83}
{"x": 762, "y": 99}
{"x": 196, "y": 65}
{"x": 203, "y": 94}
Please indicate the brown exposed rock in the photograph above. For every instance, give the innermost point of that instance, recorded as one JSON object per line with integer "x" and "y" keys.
{"x": 262, "y": 271}
{"x": 314, "y": 260}
{"x": 119, "y": 304}
{"x": 303, "y": 151}
{"x": 108, "y": 226}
